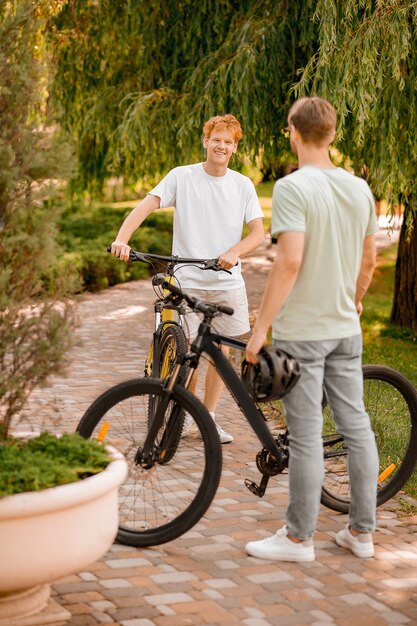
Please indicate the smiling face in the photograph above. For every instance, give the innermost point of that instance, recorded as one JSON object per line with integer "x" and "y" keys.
{"x": 220, "y": 146}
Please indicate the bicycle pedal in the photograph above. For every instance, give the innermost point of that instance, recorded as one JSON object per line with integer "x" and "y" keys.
{"x": 254, "y": 488}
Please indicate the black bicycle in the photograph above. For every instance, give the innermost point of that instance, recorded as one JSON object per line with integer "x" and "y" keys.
{"x": 161, "y": 499}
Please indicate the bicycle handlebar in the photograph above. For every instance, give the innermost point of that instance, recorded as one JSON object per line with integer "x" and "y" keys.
{"x": 197, "y": 305}
{"x": 146, "y": 257}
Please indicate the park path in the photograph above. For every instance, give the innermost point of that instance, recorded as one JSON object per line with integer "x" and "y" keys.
{"x": 205, "y": 577}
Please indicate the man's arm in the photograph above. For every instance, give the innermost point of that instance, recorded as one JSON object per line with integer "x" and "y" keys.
{"x": 366, "y": 271}
{"x": 135, "y": 218}
{"x": 281, "y": 280}
{"x": 252, "y": 240}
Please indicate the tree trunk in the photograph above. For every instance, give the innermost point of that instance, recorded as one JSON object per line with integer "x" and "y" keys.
{"x": 404, "y": 309}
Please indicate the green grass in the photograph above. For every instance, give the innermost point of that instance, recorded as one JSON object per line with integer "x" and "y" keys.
{"x": 265, "y": 189}
{"x": 385, "y": 343}
{"x": 395, "y": 347}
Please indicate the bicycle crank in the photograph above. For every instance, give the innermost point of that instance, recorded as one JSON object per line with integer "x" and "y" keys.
{"x": 268, "y": 466}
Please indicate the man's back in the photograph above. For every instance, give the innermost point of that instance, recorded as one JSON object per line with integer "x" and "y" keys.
{"x": 335, "y": 210}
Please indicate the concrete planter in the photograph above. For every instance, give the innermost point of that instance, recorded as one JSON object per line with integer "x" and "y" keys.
{"x": 49, "y": 534}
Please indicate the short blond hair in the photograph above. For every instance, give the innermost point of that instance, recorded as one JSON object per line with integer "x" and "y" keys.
{"x": 223, "y": 122}
{"x": 314, "y": 118}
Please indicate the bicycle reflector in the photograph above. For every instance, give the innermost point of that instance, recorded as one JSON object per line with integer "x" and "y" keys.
{"x": 273, "y": 377}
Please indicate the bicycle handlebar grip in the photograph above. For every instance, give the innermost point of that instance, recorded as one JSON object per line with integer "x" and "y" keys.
{"x": 225, "y": 309}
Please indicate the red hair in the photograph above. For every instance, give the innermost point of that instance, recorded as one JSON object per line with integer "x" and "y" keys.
{"x": 223, "y": 122}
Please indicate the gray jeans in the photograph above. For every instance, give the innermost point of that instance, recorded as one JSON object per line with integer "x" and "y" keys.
{"x": 336, "y": 364}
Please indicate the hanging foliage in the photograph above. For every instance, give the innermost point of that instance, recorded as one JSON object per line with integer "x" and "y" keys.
{"x": 367, "y": 66}
{"x": 137, "y": 79}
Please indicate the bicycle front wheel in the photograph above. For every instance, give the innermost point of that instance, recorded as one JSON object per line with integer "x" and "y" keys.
{"x": 391, "y": 402}
{"x": 173, "y": 345}
{"x": 157, "y": 503}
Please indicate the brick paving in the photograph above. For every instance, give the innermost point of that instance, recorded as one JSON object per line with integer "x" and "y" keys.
{"x": 205, "y": 577}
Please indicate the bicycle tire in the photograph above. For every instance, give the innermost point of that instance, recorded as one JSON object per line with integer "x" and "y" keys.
{"x": 172, "y": 344}
{"x": 391, "y": 402}
{"x": 157, "y": 504}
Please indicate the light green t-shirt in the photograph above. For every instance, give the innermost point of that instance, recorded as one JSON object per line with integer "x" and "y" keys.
{"x": 336, "y": 211}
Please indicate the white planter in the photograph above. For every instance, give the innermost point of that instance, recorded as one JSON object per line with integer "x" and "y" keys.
{"x": 49, "y": 534}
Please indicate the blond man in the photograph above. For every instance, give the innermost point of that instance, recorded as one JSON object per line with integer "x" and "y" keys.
{"x": 212, "y": 203}
{"x": 324, "y": 218}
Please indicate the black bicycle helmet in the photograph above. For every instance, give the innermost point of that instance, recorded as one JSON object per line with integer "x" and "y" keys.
{"x": 271, "y": 378}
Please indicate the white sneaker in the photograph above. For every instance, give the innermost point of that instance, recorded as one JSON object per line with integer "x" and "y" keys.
{"x": 188, "y": 425}
{"x": 223, "y": 435}
{"x": 280, "y": 548}
{"x": 189, "y": 428}
{"x": 360, "y": 545}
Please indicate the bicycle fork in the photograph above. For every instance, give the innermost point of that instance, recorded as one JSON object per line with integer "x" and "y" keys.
{"x": 151, "y": 451}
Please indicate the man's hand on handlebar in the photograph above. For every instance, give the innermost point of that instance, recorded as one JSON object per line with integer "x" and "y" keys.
{"x": 120, "y": 250}
{"x": 228, "y": 260}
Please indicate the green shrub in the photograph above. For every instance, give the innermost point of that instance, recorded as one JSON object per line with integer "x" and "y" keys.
{"x": 48, "y": 461}
{"x": 85, "y": 233}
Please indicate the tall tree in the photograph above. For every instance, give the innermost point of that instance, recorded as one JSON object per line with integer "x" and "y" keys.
{"x": 367, "y": 66}
{"x": 136, "y": 79}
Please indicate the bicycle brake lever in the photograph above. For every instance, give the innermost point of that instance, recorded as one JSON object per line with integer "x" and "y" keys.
{"x": 137, "y": 256}
{"x": 213, "y": 265}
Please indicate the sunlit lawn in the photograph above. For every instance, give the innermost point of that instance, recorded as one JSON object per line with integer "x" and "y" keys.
{"x": 384, "y": 343}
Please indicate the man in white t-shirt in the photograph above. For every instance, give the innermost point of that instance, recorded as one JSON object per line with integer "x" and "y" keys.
{"x": 212, "y": 203}
{"x": 325, "y": 221}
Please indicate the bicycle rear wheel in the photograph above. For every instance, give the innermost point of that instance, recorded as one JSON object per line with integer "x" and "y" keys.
{"x": 391, "y": 402}
{"x": 158, "y": 503}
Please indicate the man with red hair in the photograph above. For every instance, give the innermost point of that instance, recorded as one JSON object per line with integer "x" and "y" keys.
{"x": 212, "y": 203}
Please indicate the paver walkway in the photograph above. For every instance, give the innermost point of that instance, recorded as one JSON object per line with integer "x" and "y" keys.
{"x": 205, "y": 576}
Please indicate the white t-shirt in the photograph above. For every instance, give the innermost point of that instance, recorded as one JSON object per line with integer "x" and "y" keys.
{"x": 209, "y": 215}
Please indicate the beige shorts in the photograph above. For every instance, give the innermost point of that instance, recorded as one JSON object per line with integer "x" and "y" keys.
{"x": 231, "y": 325}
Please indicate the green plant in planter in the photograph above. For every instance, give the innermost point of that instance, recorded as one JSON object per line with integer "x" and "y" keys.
{"x": 48, "y": 461}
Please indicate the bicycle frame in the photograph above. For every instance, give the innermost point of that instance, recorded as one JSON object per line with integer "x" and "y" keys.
{"x": 209, "y": 343}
